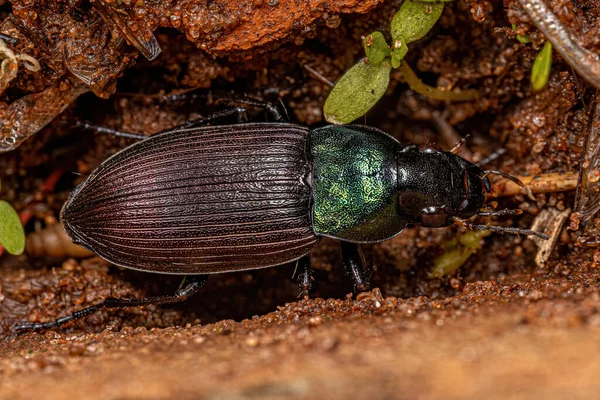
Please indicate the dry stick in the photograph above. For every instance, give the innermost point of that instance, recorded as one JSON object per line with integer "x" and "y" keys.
{"x": 585, "y": 62}
{"x": 318, "y": 75}
{"x": 545, "y": 183}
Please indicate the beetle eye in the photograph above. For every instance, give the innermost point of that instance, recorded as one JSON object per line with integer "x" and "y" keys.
{"x": 433, "y": 217}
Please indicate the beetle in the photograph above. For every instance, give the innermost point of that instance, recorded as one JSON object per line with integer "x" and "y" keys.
{"x": 198, "y": 200}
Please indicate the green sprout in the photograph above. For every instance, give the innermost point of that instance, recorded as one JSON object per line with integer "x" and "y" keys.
{"x": 540, "y": 72}
{"x": 12, "y": 235}
{"x": 522, "y": 38}
{"x": 456, "y": 252}
{"x": 361, "y": 87}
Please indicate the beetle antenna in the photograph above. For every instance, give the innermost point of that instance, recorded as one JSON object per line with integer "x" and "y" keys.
{"x": 495, "y": 155}
{"x": 460, "y": 144}
{"x": 500, "y": 213}
{"x": 284, "y": 109}
{"x": 499, "y": 229}
{"x": 502, "y": 174}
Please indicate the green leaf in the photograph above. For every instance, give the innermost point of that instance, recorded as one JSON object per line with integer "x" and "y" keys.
{"x": 540, "y": 72}
{"x": 12, "y": 235}
{"x": 456, "y": 252}
{"x": 414, "y": 20}
{"x": 398, "y": 54}
{"x": 521, "y": 38}
{"x": 357, "y": 92}
{"x": 376, "y": 48}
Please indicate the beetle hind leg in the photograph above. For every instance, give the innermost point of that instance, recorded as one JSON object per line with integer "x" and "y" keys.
{"x": 356, "y": 267}
{"x": 189, "y": 287}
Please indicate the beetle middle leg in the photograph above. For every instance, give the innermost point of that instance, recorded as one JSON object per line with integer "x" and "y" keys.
{"x": 241, "y": 112}
{"x": 356, "y": 267}
{"x": 228, "y": 100}
{"x": 305, "y": 275}
{"x": 189, "y": 287}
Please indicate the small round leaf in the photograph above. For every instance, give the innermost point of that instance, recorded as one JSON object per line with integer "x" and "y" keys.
{"x": 414, "y": 20}
{"x": 12, "y": 235}
{"x": 376, "y": 48}
{"x": 357, "y": 92}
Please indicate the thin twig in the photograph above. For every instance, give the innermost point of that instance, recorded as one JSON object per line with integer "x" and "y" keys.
{"x": 318, "y": 75}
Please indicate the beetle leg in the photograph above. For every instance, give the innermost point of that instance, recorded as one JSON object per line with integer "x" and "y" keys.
{"x": 491, "y": 157}
{"x": 194, "y": 123}
{"x": 305, "y": 276}
{"x": 228, "y": 99}
{"x": 104, "y": 129}
{"x": 13, "y": 41}
{"x": 189, "y": 287}
{"x": 354, "y": 262}
{"x": 241, "y": 113}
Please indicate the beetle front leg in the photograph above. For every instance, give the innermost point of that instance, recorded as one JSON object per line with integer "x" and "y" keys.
{"x": 305, "y": 275}
{"x": 354, "y": 262}
{"x": 189, "y": 287}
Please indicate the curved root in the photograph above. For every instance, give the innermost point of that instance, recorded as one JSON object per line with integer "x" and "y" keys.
{"x": 10, "y": 65}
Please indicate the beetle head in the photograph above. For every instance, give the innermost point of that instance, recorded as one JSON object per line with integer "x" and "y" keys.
{"x": 435, "y": 187}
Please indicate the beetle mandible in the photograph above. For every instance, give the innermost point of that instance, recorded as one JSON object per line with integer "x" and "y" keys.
{"x": 198, "y": 200}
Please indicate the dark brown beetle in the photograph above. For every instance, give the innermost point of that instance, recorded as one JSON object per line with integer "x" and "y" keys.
{"x": 197, "y": 200}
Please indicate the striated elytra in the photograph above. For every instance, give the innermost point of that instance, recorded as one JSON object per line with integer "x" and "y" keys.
{"x": 205, "y": 200}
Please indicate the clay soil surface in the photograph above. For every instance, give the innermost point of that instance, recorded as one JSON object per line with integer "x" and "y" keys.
{"x": 500, "y": 327}
{"x": 522, "y": 337}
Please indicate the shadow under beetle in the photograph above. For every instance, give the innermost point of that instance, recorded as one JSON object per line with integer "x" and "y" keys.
{"x": 198, "y": 200}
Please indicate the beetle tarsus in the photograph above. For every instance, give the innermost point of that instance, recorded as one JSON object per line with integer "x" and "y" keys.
{"x": 13, "y": 41}
{"x": 241, "y": 112}
{"x": 495, "y": 155}
{"x": 88, "y": 126}
{"x": 356, "y": 267}
{"x": 304, "y": 276}
{"x": 189, "y": 287}
{"x": 229, "y": 100}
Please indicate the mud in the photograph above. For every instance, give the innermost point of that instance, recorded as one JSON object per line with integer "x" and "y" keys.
{"x": 500, "y": 327}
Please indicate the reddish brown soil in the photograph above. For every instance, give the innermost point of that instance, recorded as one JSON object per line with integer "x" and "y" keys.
{"x": 501, "y": 327}
{"x": 519, "y": 337}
